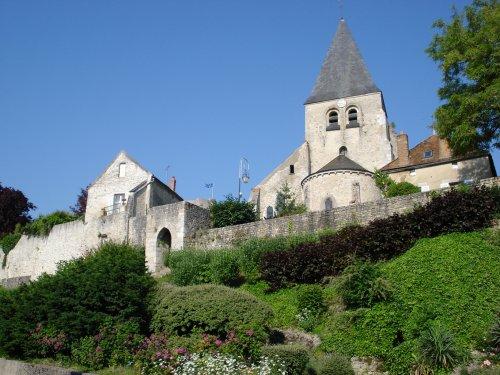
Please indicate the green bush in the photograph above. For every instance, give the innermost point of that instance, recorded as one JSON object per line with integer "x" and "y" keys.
{"x": 452, "y": 281}
{"x": 437, "y": 348}
{"x": 295, "y": 357}
{"x": 9, "y": 241}
{"x": 110, "y": 283}
{"x": 211, "y": 309}
{"x": 391, "y": 188}
{"x": 189, "y": 267}
{"x": 335, "y": 364}
{"x": 401, "y": 188}
{"x": 362, "y": 285}
{"x": 311, "y": 297}
{"x": 224, "y": 268}
{"x": 44, "y": 223}
{"x": 113, "y": 345}
{"x": 232, "y": 211}
{"x": 493, "y": 338}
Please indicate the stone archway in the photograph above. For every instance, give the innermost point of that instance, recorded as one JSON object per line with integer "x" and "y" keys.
{"x": 163, "y": 246}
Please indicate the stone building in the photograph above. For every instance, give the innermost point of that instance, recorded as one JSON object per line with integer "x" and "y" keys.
{"x": 126, "y": 185}
{"x": 348, "y": 137}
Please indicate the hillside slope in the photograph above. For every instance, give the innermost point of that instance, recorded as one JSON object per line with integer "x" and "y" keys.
{"x": 452, "y": 281}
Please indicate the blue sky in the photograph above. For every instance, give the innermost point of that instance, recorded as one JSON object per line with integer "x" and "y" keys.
{"x": 191, "y": 84}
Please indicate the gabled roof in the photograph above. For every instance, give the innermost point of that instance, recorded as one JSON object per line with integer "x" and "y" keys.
{"x": 125, "y": 155}
{"x": 343, "y": 163}
{"x": 344, "y": 72}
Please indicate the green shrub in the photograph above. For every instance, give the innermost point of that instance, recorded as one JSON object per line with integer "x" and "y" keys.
{"x": 402, "y": 188}
{"x": 113, "y": 345}
{"x": 9, "y": 241}
{"x": 232, "y": 211}
{"x": 437, "y": 348}
{"x": 335, "y": 364}
{"x": 110, "y": 283}
{"x": 212, "y": 309}
{"x": 44, "y": 223}
{"x": 189, "y": 267}
{"x": 224, "y": 268}
{"x": 362, "y": 285}
{"x": 295, "y": 357}
{"x": 493, "y": 339}
{"x": 311, "y": 297}
{"x": 391, "y": 188}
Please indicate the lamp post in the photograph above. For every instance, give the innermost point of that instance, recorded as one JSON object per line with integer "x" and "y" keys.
{"x": 243, "y": 175}
{"x": 211, "y": 187}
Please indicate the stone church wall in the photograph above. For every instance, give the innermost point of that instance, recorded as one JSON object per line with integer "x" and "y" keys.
{"x": 310, "y": 222}
{"x": 305, "y": 223}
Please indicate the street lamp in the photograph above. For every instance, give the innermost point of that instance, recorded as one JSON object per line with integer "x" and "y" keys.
{"x": 211, "y": 187}
{"x": 243, "y": 175}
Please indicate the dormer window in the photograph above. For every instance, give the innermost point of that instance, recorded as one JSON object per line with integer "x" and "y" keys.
{"x": 352, "y": 115}
{"x": 121, "y": 169}
{"x": 333, "y": 120}
{"x": 427, "y": 154}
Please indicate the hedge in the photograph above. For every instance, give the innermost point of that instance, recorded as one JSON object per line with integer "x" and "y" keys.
{"x": 212, "y": 309}
{"x": 383, "y": 239}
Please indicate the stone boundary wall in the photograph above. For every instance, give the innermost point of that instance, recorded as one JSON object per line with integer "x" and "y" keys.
{"x": 310, "y": 222}
{"x": 10, "y": 367}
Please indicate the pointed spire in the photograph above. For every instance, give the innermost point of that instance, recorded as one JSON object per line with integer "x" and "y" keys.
{"x": 344, "y": 72}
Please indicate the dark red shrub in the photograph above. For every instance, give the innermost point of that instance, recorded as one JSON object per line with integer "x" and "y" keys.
{"x": 382, "y": 239}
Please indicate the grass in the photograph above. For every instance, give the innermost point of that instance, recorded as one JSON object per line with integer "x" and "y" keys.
{"x": 283, "y": 303}
{"x": 452, "y": 281}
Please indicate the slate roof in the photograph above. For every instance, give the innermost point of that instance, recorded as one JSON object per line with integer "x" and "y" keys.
{"x": 342, "y": 162}
{"x": 344, "y": 72}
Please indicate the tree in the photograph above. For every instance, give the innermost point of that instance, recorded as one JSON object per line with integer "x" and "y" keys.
{"x": 231, "y": 211}
{"x": 285, "y": 202}
{"x": 468, "y": 52}
{"x": 14, "y": 209}
{"x": 81, "y": 202}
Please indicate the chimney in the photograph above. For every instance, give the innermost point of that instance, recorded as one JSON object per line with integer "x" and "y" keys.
{"x": 172, "y": 183}
{"x": 444, "y": 149}
{"x": 403, "y": 152}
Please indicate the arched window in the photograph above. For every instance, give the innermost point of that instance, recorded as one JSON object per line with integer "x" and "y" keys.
{"x": 269, "y": 212}
{"x": 164, "y": 240}
{"x": 356, "y": 193}
{"x": 328, "y": 204}
{"x": 343, "y": 151}
{"x": 333, "y": 120}
{"x": 352, "y": 115}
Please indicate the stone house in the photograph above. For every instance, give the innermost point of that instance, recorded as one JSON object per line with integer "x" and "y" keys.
{"x": 348, "y": 137}
{"x": 126, "y": 186}
{"x": 431, "y": 165}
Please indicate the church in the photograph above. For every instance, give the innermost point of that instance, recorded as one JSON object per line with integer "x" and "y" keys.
{"x": 348, "y": 137}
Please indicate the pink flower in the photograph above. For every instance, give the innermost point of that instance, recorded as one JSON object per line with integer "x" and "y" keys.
{"x": 249, "y": 332}
{"x": 181, "y": 351}
{"x": 218, "y": 342}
